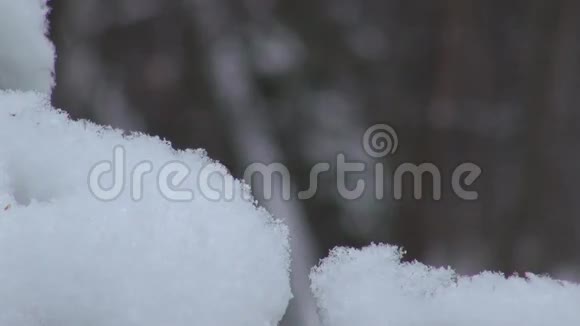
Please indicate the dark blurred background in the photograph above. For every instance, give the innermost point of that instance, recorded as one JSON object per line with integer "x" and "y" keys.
{"x": 490, "y": 82}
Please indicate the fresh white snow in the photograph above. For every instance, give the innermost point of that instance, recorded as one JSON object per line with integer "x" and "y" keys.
{"x": 372, "y": 287}
{"x": 26, "y": 55}
{"x": 69, "y": 259}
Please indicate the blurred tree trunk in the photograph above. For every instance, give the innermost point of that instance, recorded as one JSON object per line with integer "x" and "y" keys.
{"x": 233, "y": 87}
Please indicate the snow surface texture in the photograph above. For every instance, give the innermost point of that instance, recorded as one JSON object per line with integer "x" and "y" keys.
{"x": 372, "y": 287}
{"x": 26, "y": 55}
{"x": 68, "y": 259}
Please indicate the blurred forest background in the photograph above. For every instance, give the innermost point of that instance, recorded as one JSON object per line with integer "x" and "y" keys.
{"x": 490, "y": 82}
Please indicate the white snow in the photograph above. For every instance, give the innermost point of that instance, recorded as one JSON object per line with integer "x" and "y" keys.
{"x": 372, "y": 287}
{"x": 26, "y": 55}
{"x": 69, "y": 259}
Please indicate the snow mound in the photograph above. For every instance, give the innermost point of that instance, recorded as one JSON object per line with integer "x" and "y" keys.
{"x": 70, "y": 259}
{"x": 372, "y": 287}
{"x": 26, "y": 54}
